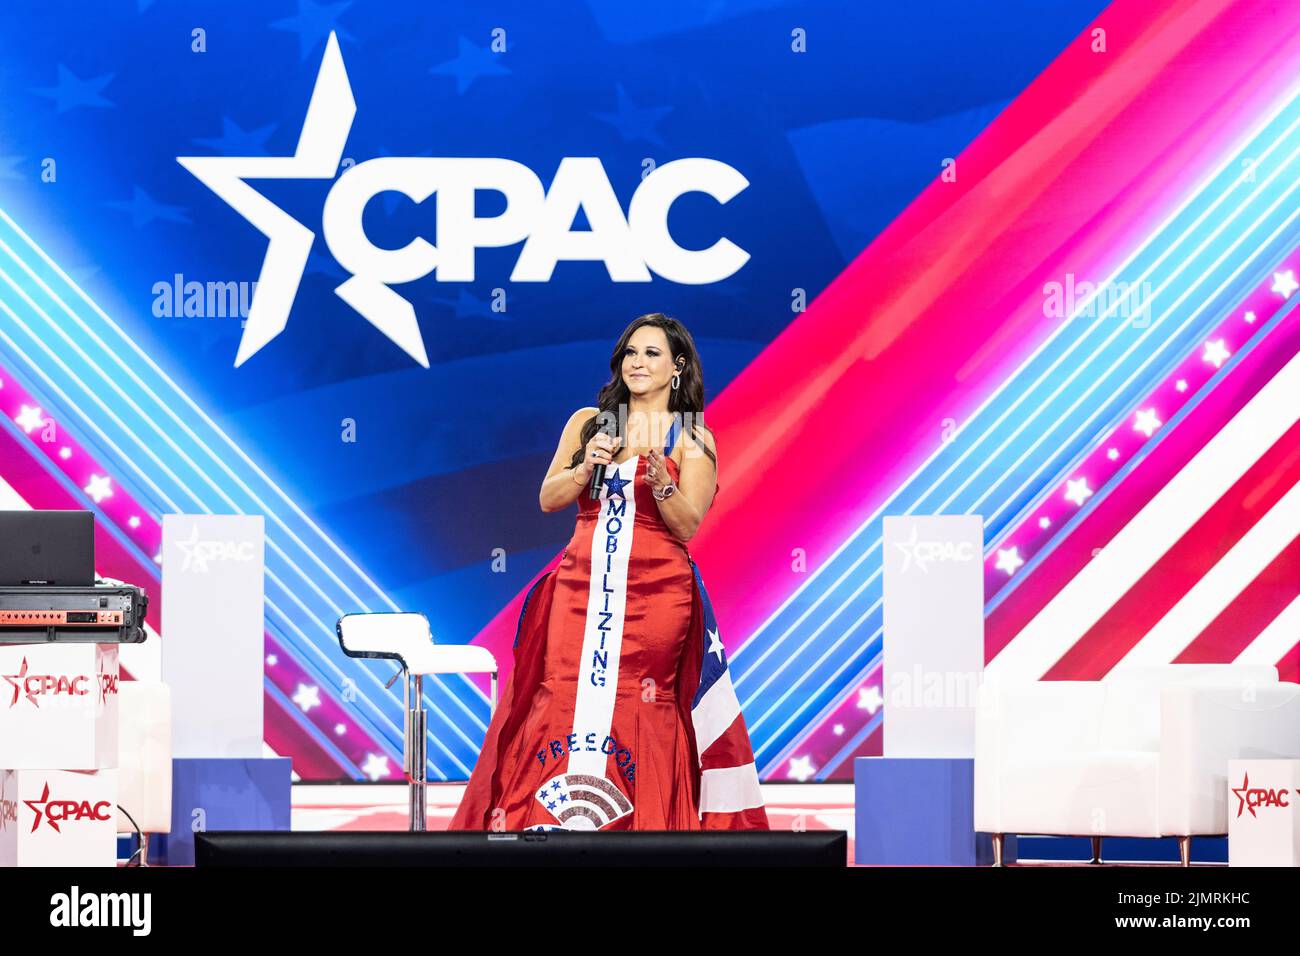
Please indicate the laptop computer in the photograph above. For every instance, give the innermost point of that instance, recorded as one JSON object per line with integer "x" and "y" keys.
{"x": 47, "y": 547}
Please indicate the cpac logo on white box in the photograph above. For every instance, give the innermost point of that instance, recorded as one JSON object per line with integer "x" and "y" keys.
{"x": 631, "y": 247}
{"x": 198, "y": 554}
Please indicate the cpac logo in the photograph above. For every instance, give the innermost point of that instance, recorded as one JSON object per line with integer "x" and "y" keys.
{"x": 923, "y": 552}
{"x": 1249, "y": 798}
{"x": 8, "y": 813}
{"x": 63, "y": 811}
{"x": 199, "y": 553}
{"x": 630, "y": 246}
{"x": 45, "y": 685}
{"x": 107, "y": 686}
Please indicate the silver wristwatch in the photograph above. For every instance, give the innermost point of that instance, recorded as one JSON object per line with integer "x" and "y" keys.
{"x": 668, "y": 490}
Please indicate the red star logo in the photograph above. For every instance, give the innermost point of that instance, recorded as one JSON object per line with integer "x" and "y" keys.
{"x": 45, "y": 798}
{"x": 15, "y": 681}
{"x": 1240, "y": 794}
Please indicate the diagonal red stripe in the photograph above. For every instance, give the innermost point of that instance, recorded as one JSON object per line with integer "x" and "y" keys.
{"x": 1117, "y": 509}
{"x": 1249, "y": 613}
{"x": 1183, "y": 565}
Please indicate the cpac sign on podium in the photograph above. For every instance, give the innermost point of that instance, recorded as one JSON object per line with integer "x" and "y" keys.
{"x": 58, "y": 706}
{"x": 58, "y": 754}
{"x": 58, "y": 818}
{"x": 1263, "y": 813}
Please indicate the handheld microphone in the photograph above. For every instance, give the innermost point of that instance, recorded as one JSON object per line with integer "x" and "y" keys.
{"x": 610, "y": 428}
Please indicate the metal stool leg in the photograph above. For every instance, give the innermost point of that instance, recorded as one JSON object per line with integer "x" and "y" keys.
{"x": 414, "y": 748}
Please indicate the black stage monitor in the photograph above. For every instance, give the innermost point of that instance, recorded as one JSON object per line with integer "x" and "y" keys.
{"x": 47, "y": 547}
{"x": 637, "y": 848}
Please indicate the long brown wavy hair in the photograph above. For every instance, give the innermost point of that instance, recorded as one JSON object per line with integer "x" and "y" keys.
{"x": 688, "y": 397}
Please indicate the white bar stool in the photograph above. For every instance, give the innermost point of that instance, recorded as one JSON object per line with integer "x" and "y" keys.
{"x": 405, "y": 637}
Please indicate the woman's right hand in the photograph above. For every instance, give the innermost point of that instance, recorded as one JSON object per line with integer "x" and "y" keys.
{"x": 599, "y": 451}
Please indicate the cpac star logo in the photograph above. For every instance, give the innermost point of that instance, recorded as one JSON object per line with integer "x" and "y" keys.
{"x": 923, "y": 552}
{"x": 198, "y": 554}
{"x": 1249, "y": 798}
{"x": 34, "y": 686}
{"x": 61, "y": 811}
{"x": 630, "y": 246}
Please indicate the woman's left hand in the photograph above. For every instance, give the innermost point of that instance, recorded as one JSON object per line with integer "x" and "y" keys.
{"x": 656, "y": 472}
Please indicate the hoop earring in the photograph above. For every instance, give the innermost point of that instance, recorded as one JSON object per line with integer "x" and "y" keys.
{"x": 677, "y": 380}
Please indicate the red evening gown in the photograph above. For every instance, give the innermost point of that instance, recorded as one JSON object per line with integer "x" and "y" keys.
{"x": 619, "y": 713}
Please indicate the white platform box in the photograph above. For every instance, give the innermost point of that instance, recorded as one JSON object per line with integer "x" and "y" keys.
{"x": 1263, "y": 816}
{"x": 58, "y": 706}
{"x": 58, "y": 818}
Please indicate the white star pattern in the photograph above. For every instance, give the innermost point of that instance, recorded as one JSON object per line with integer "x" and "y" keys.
{"x": 1250, "y": 316}
{"x": 272, "y": 660}
{"x": 1147, "y": 422}
{"x": 340, "y": 729}
{"x": 30, "y": 417}
{"x": 1181, "y": 385}
{"x": 838, "y": 730}
{"x": 307, "y": 697}
{"x": 1215, "y": 353}
{"x": 1044, "y": 522}
{"x": 801, "y": 769}
{"x": 1284, "y": 283}
{"x": 715, "y": 645}
{"x": 65, "y": 453}
{"x": 376, "y": 766}
{"x": 99, "y": 488}
{"x": 1113, "y": 454}
{"x": 869, "y": 699}
{"x": 1009, "y": 559}
{"x": 1077, "y": 490}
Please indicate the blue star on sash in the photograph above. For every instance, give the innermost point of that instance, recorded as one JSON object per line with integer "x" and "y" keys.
{"x": 614, "y": 486}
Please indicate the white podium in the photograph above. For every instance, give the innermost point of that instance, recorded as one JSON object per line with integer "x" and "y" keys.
{"x": 58, "y": 754}
{"x": 58, "y": 818}
{"x": 1263, "y": 816}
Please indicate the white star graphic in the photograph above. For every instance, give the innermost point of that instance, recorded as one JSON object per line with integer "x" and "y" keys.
{"x": 908, "y": 548}
{"x": 1077, "y": 490}
{"x": 1146, "y": 422}
{"x": 99, "y": 488}
{"x": 307, "y": 697}
{"x": 29, "y": 418}
{"x": 1284, "y": 283}
{"x": 320, "y": 149}
{"x": 1250, "y": 316}
{"x": 194, "y": 556}
{"x": 869, "y": 699}
{"x": 801, "y": 769}
{"x": 1215, "y": 353}
{"x": 1009, "y": 559}
{"x": 376, "y": 766}
{"x": 1112, "y": 454}
{"x": 838, "y": 730}
{"x": 1044, "y": 522}
{"x": 1181, "y": 385}
{"x": 715, "y": 645}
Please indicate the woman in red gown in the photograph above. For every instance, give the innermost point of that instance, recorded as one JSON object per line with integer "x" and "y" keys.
{"x": 619, "y": 713}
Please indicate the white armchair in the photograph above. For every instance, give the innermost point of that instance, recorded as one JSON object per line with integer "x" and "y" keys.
{"x": 1143, "y": 753}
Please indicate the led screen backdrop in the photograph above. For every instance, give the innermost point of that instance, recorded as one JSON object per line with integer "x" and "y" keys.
{"x": 1033, "y": 262}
